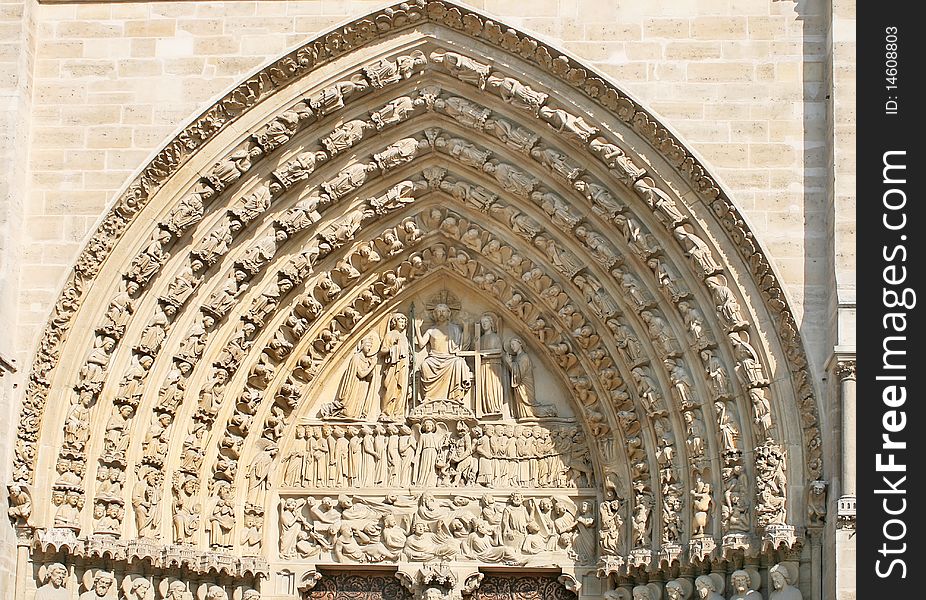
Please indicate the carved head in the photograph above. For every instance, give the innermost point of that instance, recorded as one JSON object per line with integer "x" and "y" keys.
{"x": 398, "y": 322}
{"x": 741, "y": 581}
{"x": 428, "y": 426}
{"x": 441, "y": 312}
{"x": 57, "y": 573}
{"x": 176, "y": 590}
{"x": 102, "y": 582}
{"x": 487, "y": 322}
{"x": 705, "y": 586}
{"x": 216, "y": 593}
{"x": 641, "y": 592}
{"x": 516, "y": 345}
{"x": 140, "y": 587}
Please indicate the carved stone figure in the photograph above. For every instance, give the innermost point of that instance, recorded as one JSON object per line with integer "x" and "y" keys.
{"x": 600, "y": 248}
{"x": 491, "y": 391}
{"x": 385, "y": 72}
{"x": 727, "y": 426}
{"x": 615, "y": 159}
{"x": 557, "y": 162}
{"x": 727, "y": 305}
{"x": 444, "y": 374}
{"x": 463, "y": 151}
{"x": 332, "y": 98}
{"x": 523, "y": 400}
{"x": 54, "y": 586}
{"x": 514, "y": 136}
{"x": 395, "y": 111}
{"x": 221, "y": 301}
{"x": 397, "y": 196}
{"x": 230, "y": 169}
{"x": 155, "y": 332}
{"x": 734, "y": 510}
{"x": 299, "y": 168}
{"x": 247, "y": 208}
{"x": 568, "y": 123}
{"x": 146, "y": 496}
{"x": 749, "y": 368}
{"x": 709, "y": 587}
{"x": 682, "y": 384}
{"x": 462, "y": 67}
{"x": 565, "y": 261}
{"x": 259, "y": 472}
{"x": 463, "y": 111}
{"x": 744, "y": 584}
{"x": 557, "y": 209}
{"x": 511, "y": 179}
{"x": 430, "y": 442}
{"x": 717, "y": 374}
{"x": 697, "y": 249}
{"x": 396, "y": 353}
{"x": 149, "y": 260}
{"x": 771, "y": 483}
{"x": 357, "y": 391}
{"x": 346, "y": 135}
{"x": 782, "y": 582}
{"x": 516, "y": 93}
{"x": 701, "y": 504}
{"x": 186, "y": 511}
{"x": 263, "y": 250}
{"x": 100, "y": 588}
{"x": 697, "y": 439}
{"x": 399, "y": 153}
{"x": 348, "y": 179}
{"x": 215, "y": 243}
{"x": 222, "y": 520}
{"x": 280, "y": 130}
{"x": 603, "y": 202}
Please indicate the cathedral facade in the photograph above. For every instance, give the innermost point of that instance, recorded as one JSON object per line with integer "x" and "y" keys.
{"x": 430, "y": 300}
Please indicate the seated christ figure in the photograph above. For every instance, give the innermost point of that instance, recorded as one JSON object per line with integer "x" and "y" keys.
{"x": 444, "y": 374}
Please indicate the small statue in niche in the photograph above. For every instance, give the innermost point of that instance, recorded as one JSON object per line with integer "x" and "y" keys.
{"x": 491, "y": 392}
{"x": 444, "y": 374}
{"x": 222, "y": 521}
{"x": 701, "y": 504}
{"x": 356, "y": 392}
{"x": 396, "y": 354}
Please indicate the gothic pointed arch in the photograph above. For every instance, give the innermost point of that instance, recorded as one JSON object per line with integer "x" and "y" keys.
{"x": 423, "y": 291}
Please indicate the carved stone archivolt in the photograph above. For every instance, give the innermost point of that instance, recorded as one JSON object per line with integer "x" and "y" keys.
{"x": 434, "y": 312}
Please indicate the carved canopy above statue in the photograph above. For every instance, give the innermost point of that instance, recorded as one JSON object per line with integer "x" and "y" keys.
{"x": 423, "y": 291}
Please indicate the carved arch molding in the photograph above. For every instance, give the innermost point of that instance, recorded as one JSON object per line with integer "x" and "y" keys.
{"x": 425, "y": 298}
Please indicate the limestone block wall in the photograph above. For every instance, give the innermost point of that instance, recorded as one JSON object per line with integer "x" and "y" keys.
{"x": 17, "y": 41}
{"x": 97, "y": 88}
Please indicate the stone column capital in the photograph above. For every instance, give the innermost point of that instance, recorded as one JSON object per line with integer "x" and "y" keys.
{"x": 845, "y": 369}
